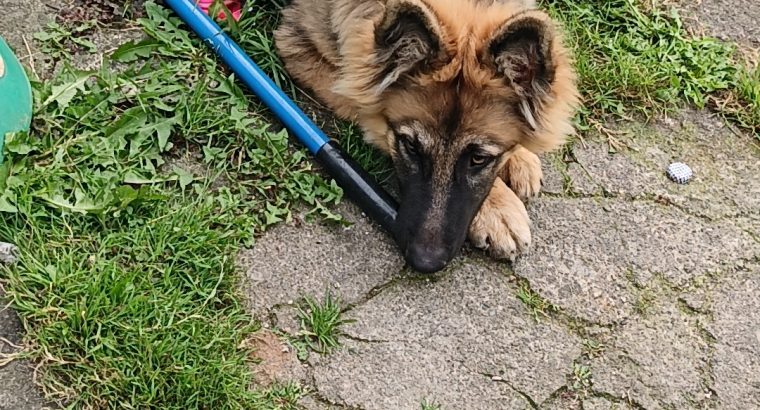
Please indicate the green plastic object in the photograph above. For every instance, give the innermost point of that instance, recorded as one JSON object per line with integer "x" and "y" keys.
{"x": 15, "y": 95}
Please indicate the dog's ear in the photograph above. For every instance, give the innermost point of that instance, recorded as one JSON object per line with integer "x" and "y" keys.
{"x": 407, "y": 40}
{"x": 521, "y": 51}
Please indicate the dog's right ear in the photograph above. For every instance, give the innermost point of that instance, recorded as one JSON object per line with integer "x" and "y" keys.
{"x": 407, "y": 40}
{"x": 521, "y": 51}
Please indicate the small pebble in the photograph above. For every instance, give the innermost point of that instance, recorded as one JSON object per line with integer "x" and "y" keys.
{"x": 679, "y": 172}
{"x": 8, "y": 253}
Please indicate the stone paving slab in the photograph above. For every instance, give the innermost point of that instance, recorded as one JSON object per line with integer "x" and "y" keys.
{"x": 20, "y": 19}
{"x": 723, "y": 163}
{"x": 656, "y": 361}
{"x": 589, "y": 254}
{"x": 307, "y": 259}
{"x": 730, "y": 20}
{"x": 736, "y": 331}
{"x": 463, "y": 339}
{"x": 600, "y": 403}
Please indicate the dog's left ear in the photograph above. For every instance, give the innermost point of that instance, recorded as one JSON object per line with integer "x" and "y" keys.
{"x": 521, "y": 51}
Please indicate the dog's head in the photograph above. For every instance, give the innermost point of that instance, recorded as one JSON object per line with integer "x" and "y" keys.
{"x": 450, "y": 91}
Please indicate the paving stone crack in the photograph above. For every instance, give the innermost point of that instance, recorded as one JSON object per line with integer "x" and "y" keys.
{"x": 524, "y": 395}
{"x": 317, "y": 395}
{"x": 575, "y": 324}
{"x": 380, "y": 341}
{"x": 363, "y": 340}
{"x": 615, "y": 399}
{"x": 499, "y": 379}
{"x": 651, "y": 199}
{"x": 375, "y": 291}
{"x": 705, "y": 371}
{"x": 556, "y": 394}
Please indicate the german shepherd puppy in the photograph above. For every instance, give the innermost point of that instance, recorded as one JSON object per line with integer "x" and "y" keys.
{"x": 461, "y": 94}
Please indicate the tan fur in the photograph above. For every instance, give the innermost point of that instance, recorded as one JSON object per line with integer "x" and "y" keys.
{"x": 523, "y": 173}
{"x": 502, "y": 226}
{"x": 330, "y": 47}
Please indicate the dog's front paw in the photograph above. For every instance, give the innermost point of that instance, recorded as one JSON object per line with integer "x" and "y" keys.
{"x": 502, "y": 225}
{"x": 522, "y": 172}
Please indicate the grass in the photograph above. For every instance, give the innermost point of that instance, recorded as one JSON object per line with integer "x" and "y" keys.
{"x": 320, "y": 322}
{"x": 535, "y": 304}
{"x": 592, "y": 348}
{"x": 429, "y": 405}
{"x": 126, "y": 281}
{"x": 136, "y": 309}
{"x": 582, "y": 379}
{"x": 635, "y": 58}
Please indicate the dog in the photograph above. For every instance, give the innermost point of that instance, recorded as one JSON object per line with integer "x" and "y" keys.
{"x": 462, "y": 94}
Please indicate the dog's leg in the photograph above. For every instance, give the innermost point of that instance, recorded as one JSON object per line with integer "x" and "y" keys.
{"x": 522, "y": 172}
{"x": 502, "y": 225}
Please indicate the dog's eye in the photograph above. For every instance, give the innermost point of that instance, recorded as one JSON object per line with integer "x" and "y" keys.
{"x": 478, "y": 160}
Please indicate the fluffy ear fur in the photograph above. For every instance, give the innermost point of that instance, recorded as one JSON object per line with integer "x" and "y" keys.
{"x": 521, "y": 50}
{"x": 407, "y": 40}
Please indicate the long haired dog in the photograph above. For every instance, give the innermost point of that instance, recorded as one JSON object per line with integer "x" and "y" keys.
{"x": 461, "y": 93}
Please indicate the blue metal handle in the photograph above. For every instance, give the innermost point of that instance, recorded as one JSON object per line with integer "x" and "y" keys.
{"x": 283, "y": 107}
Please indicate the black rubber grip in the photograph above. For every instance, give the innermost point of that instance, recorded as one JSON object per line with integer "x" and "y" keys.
{"x": 359, "y": 186}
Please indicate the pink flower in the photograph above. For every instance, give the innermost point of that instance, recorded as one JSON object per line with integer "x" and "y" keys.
{"x": 235, "y": 7}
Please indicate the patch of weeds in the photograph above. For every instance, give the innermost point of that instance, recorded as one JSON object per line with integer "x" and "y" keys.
{"x": 282, "y": 397}
{"x": 582, "y": 379}
{"x": 743, "y": 104}
{"x": 636, "y": 59}
{"x": 537, "y": 305}
{"x": 58, "y": 41}
{"x": 592, "y": 348}
{"x": 320, "y": 322}
{"x": 429, "y": 405}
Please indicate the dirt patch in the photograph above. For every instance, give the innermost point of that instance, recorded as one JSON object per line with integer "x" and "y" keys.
{"x": 276, "y": 360}
{"x": 102, "y": 11}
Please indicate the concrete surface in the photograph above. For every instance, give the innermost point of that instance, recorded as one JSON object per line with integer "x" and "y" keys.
{"x": 663, "y": 278}
{"x": 731, "y": 20}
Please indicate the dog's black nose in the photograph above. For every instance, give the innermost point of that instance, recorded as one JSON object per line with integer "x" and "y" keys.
{"x": 426, "y": 259}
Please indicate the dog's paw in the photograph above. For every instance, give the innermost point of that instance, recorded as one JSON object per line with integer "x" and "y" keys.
{"x": 522, "y": 172}
{"x": 502, "y": 226}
